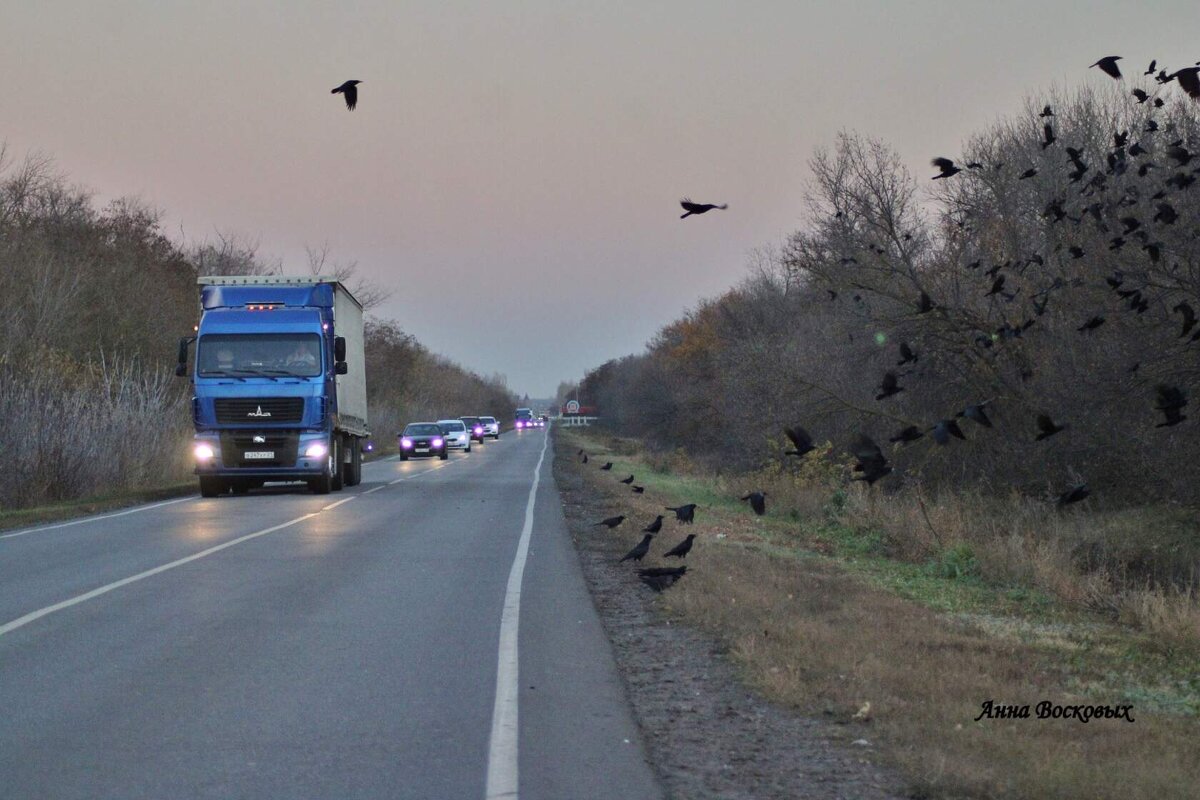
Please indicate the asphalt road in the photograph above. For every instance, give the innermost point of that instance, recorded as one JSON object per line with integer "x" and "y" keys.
{"x": 426, "y": 634}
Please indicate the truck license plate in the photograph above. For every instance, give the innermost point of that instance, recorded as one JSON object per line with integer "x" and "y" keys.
{"x": 262, "y": 455}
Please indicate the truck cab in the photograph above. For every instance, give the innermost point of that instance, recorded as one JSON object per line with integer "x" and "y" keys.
{"x": 279, "y": 385}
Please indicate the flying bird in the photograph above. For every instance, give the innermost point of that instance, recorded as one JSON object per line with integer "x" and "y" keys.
{"x": 947, "y": 167}
{"x": 639, "y": 551}
{"x": 1171, "y": 401}
{"x": 611, "y": 522}
{"x": 975, "y": 413}
{"x": 907, "y": 355}
{"x": 944, "y": 429}
{"x": 1189, "y": 317}
{"x": 349, "y": 90}
{"x": 889, "y": 386}
{"x": 1047, "y": 427}
{"x": 698, "y": 208}
{"x": 871, "y": 461}
{"x": 1189, "y": 81}
{"x": 1073, "y": 495}
{"x": 1091, "y": 324}
{"x": 800, "y": 440}
{"x": 1048, "y": 135}
{"x": 1046, "y": 112}
{"x": 909, "y": 434}
{"x": 758, "y": 501}
{"x": 1108, "y": 65}
{"x": 682, "y": 549}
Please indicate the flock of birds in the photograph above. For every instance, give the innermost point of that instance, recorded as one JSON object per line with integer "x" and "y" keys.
{"x": 660, "y": 578}
{"x": 349, "y": 91}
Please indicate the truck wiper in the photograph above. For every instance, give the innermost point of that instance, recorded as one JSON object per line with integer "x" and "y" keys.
{"x": 222, "y": 372}
{"x": 262, "y": 373}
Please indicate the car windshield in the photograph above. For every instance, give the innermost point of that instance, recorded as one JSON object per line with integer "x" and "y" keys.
{"x": 524, "y": 413}
{"x": 488, "y": 420}
{"x": 271, "y": 354}
{"x": 452, "y": 427}
{"x": 470, "y": 420}
{"x": 422, "y": 429}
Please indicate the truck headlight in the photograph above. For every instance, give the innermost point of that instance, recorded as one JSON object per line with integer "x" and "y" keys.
{"x": 203, "y": 452}
{"x": 316, "y": 450}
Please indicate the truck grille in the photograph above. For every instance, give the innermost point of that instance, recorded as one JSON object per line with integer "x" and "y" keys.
{"x": 259, "y": 410}
{"x": 235, "y": 445}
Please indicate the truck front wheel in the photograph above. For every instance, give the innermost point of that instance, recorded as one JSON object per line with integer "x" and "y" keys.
{"x": 211, "y": 486}
{"x": 339, "y": 462}
{"x": 354, "y": 465}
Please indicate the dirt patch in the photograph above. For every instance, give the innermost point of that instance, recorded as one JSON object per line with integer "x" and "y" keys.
{"x": 706, "y": 734}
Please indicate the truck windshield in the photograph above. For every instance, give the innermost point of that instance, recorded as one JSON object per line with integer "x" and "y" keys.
{"x": 271, "y": 354}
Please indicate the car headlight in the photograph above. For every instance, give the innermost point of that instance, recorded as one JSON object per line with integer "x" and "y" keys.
{"x": 203, "y": 452}
{"x": 406, "y": 443}
{"x": 316, "y": 450}
{"x": 438, "y": 442}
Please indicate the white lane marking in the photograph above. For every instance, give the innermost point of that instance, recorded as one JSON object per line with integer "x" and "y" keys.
{"x": 32, "y": 616}
{"x": 376, "y": 489}
{"x": 332, "y": 506}
{"x": 502, "y": 777}
{"x": 82, "y": 520}
{"x": 404, "y": 478}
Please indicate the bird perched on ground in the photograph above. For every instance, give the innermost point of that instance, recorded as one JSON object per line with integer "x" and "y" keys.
{"x": 654, "y": 527}
{"x": 800, "y": 439}
{"x": 627, "y": 481}
{"x": 944, "y": 429}
{"x": 607, "y": 466}
{"x": 1170, "y": 401}
{"x": 871, "y": 461}
{"x": 660, "y": 578}
{"x": 585, "y": 458}
{"x": 699, "y": 208}
{"x": 758, "y": 501}
{"x": 349, "y": 90}
{"x": 1074, "y": 495}
{"x": 685, "y": 514}
{"x": 947, "y": 167}
{"x": 1108, "y": 65}
{"x": 611, "y": 522}
{"x": 1047, "y": 428}
{"x": 682, "y": 549}
{"x": 909, "y": 434}
{"x": 639, "y": 551}
{"x": 639, "y": 489}
{"x": 924, "y": 304}
{"x": 1189, "y": 317}
{"x": 889, "y": 386}
{"x": 1091, "y": 324}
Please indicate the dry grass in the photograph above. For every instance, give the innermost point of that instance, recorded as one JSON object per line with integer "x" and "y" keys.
{"x": 821, "y": 635}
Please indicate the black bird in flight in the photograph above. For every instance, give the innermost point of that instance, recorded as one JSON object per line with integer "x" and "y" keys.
{"x": 1048, "y": 135}
{"x": 682, "y": 549}
{"x": 976, "y": 413}
{"x": 758, "y": 501}
{"x": 944, "y": 429}
{"x": 1141, "y": 95}
{"x": 639, "y": 551}
{"x": 1029, "y": 173}
{"x": 654, "y": 527}
{"x": 698, "y": 208}
{"x": 871, "y": 461}
{"x": 1046, "y": 112}
{"x": 1150, "y": 69}
{"x": 660, "y": 578}
{"x": 889, "y": 386}
{"x": 1189, "y": 317}
{"x": 1047, "y": 428}
{"x": 1189, "y": 81}
{"x": 947, "y": 167}
{"x": 607, "y": 466}
{"x": 639, "y": 489}
{"x": 800, "y": 440}
{"x": 909, "y": 434}
{"x": 1108, "y": 65}
{"x": 1074, "y": 495}
{"x": 1171, "y": 401}
{"x": 924, "y": 304}
{"x": 1091, "y": 324}
{"x": 628, "y": 481}
{"x": 907, "y": 355}
{"x": 685, "y": 514}
{"x": 350, "y": 90}
{"x": 585, "y": 459}
{"x": 611, "y": 522}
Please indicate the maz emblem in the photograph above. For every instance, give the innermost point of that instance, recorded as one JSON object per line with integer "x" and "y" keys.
{"x": 258, "y": 412}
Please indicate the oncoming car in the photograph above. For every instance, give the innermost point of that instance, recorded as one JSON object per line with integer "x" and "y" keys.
{"x": 455, "y": 432}
{"x": 422, "y": 440}
{"x": 491, "y": 427}
{"x": 523, "y": 419}
{"x": 475, "y": 426}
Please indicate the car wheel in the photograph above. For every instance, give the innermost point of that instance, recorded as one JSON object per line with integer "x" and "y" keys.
{"x": 211, "y": 486}
{"x": 404, "y": 456}
{"x": 444, "y": 455}
{"x": 467, "y": 449}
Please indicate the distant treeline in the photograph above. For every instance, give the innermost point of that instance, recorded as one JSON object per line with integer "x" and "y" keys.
{"x": 92, "y": 303}
{"x": 1057, "y": 274}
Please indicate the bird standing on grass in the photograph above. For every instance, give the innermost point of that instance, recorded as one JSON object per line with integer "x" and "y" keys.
{"x": 654, "y": 527}
{"x": 639, "y": 551}
{"x": 758, "y": 501}
{"x": 627, "y": 481}
{"x": 660, "y": 578}
{"x": 611, "y": 522}
{"x": 607, "y": 466}
{"x": 349, "y": 90}
{"x": 685, "y": 514}
{"x": 682, "y": 549}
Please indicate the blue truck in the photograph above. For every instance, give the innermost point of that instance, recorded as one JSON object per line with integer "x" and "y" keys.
{"x": 279, "y": 383}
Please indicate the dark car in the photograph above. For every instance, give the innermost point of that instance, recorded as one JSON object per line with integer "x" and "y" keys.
{"x": 422, "y": 440}
{"x": 475, "y": 426}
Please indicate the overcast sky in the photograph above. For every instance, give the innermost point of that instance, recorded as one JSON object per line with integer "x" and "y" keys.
{"x": 514, "y": 168}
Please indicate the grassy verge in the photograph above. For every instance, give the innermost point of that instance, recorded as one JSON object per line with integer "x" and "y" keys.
{"x": 820, "y": 613}
{"x": 57, "y": 512}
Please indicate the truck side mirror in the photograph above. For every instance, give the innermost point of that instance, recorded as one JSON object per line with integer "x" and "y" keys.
{"x": 181, "y": 366}
{"x": 340, "y": 368}
{"x": 339, "y": 350}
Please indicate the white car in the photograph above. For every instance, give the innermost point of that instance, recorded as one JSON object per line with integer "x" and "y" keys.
{"x": 491, "y": 427}
{"x": 455, "y": 432}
